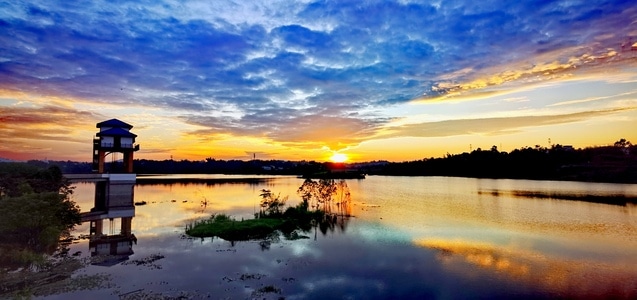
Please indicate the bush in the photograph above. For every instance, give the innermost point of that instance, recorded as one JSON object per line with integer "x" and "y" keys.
{"x": 35, "y": 211}
{"x": 228, "y": 229}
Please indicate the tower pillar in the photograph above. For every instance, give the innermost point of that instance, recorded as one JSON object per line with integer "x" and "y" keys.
{"x": 126, "y": 227}
{"x": 128, "y": 162}
{"x": 101, "y": 161}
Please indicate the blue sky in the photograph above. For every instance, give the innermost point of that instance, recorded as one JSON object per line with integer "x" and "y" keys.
{"x": 305, "y": 79}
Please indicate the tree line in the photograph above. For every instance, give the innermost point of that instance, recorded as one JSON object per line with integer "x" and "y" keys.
{"x": 185, "y": 166}
{"x": 615, "y": 163}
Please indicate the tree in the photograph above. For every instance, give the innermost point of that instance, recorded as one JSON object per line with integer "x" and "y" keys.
{"x": 35, "y": 211}
{"x": 623, "y": 143}
{"x": 36, "y": 221}
{"x": 344, "y": 198}
{"x": 326, "y": 188}
{"x": 271, "y": 205}
{"x": 306, "y": 191}
{"x": 323, "y": 193}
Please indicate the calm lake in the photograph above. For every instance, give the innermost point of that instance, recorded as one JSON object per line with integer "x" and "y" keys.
{"x": 410, "y": 238}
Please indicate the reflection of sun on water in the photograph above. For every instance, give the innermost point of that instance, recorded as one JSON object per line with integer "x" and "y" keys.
{"x": 338, "y": 157}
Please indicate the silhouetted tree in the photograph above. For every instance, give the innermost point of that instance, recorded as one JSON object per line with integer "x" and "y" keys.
{"x": 623, "y": 143}
{"x": 306, "y": 191}
{"x": 323, "y": 192}
{"x": 611, "y": 164}
{"x": 271, "y": 205}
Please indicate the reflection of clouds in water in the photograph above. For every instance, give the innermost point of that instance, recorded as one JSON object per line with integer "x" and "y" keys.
{"x": 334, "y": 266}
{"x": 576, "y": 278}
{"x": 364, "y": 267}
{"x": 375, "y": 232}
{"x": 454, "y": 208}
{"x": 531, "y": 247}
{"x": 480, "y": 254}
{"x": 304, "y": 249}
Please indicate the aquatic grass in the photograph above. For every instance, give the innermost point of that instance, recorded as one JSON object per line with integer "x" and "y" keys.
{"x": 271, "y": 218}
{"x": 223, "y": 226}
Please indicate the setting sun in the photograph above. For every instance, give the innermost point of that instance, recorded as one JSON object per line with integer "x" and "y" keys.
{"x": 339, "y": 157}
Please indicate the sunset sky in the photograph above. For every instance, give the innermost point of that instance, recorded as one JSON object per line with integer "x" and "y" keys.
{"x": 303, "y": 80}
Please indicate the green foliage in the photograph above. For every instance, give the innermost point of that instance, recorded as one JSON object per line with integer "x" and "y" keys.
{"x": 271, "y": 217}
{"x": 223, "y": 226}
{"x": 18, "y": 178}
{"x": 35, "y": 211}
{"x": 22, "y": 257}
{"x": 231, "y": 230}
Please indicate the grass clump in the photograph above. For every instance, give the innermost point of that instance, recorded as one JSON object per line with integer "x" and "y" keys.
{"x": 322, "y": 202}
{"x": 223, "y": 226}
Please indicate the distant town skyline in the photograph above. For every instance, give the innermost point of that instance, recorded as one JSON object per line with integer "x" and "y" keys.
{"x": 304, "y": 80}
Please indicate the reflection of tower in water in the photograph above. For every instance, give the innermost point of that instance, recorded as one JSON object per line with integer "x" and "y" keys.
{"x": 114, "y": 192}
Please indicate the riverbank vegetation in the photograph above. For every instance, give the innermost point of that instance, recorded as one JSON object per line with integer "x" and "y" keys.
{"x": 617, "y": 163}
{"x": 323, "y": 204}
{"x": 35, "y": 213}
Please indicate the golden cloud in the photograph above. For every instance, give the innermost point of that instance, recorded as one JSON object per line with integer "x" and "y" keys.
{"x": 458, "y": 85}
{"x": 492, "y": 126}
{"x": 307, "y": 132}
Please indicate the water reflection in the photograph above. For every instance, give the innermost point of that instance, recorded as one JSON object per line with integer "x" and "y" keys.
{"x": 614, "y": 199}
{"x": 114, "y": 201}
{"x": 411, "y": 238}
{"x": 575, "y": 278}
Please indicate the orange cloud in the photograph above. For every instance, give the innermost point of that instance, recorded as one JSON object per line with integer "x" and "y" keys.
{"x": 307, "y": 132}
{"x": 43, "y": 123}
{"x": 43, "y": 131}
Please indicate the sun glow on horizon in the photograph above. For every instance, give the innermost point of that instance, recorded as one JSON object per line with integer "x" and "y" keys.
{"x": 339, "y": 157}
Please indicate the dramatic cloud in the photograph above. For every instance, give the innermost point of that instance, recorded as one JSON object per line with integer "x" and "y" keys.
{"x": 291, "y": 72}
{"x": 21, "y": 122}
{"x": 52, "y": 124}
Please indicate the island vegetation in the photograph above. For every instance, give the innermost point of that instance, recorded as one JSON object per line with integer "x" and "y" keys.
{"x": 322, "y": 203}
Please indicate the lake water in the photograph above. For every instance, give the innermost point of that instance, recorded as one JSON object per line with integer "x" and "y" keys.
{"x": 410, "y": 238}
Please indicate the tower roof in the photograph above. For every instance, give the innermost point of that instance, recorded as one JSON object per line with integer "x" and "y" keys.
{"x": 115, "y": 123}
{"x": 116, "y": 131}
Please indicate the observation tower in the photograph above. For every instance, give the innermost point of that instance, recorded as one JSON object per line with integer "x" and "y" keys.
{"x": 114, "y": 137}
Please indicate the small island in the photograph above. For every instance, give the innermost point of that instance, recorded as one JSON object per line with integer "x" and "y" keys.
{"x": 323, "y": 203}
